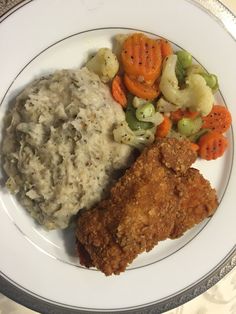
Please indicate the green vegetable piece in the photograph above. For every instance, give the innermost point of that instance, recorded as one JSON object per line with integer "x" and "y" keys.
{"x": 196, "y": 136}
{"x": 211, "y": 80}
{"x": 180, "y": 73}
{"x": 145, "y": 111}
{"x": 188, "y": 126}
{"x": 184, "y": 58}
{"x": 216, "y": 87}
{"x": 133, "y": 122}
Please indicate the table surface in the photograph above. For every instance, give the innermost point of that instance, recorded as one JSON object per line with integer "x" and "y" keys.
{"x": 220, "y": 299}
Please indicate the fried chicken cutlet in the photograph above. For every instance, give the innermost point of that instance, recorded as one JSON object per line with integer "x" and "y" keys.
{"x": 158, "y": 197}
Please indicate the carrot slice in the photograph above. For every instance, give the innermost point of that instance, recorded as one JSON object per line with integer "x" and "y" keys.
{"x": 166, "y": 48}
{"x": 118, "y": 91}
{"x": 195, "y": 147}
{"x": 141, "y": 57}
{"x": 140, "y": 89}
{"x": 219, "y": 119}
{"x": 163, "y": 129}
{"x": 212, "y": 145}
{"x": 177, "y": 115}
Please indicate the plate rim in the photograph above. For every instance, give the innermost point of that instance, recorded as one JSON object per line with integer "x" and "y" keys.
{"x": 31, "y": 301}
{"x": 21, "y": 296}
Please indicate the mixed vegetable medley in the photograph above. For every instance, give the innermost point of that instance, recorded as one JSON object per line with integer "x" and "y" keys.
{"x": 163, "y": 94}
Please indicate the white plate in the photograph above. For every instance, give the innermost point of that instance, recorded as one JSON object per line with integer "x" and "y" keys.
{"x": 37, "y": 267}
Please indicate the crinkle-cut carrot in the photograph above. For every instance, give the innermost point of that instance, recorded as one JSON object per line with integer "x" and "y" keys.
{"x": 212, "y": 145}
{"x": 141, "y": 58}
{"x": 177, "y": 115}
{"x": 166, "y": 48}
{"x": 163, "y": 129}
{"x": 195, "y": 147}
{"x": 141, "y": 90}
{"x": 219, "y": 119}
{"x": 118, "y": 91}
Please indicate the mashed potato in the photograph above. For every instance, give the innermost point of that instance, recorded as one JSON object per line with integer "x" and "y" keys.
{"x": 58, "y": 150}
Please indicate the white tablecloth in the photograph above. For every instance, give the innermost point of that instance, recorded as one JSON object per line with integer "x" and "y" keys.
{"x": 220, "y": 299}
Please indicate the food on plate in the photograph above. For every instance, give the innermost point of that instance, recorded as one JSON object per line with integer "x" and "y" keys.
{"x": 182, "y": 92}
{"x": 139, "y": 139}
{"x": 104, "y": 63}
{"x": 197, "y": 96}
{"x": 141, "y": 58}
{"x": 219, "y": 119}
{"x": 197, "y": 201}
{"x": 182, "y": 113}
{"x": 70, "y": 136}
{"x": 158, "y": 197}
{"x": 212, "y": 145}
{"x": 141, "y": 89}
{"x": 163, "y": 129}
{"x": 59, "y": 152}
{"x": 166, "y": 48}
{"x": 118, "y": 91}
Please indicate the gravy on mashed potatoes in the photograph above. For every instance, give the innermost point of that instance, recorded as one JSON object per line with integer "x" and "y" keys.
{"x": 58, "y": 149}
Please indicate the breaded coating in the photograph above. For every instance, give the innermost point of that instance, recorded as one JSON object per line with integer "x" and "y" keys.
{"x": 197, "y": 200}
{"x": 144, "y": 207}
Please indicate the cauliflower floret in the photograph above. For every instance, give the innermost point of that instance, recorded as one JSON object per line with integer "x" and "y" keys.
{"x": 165, "y": 106}
{"x": 137, "y": 102}
{"x": 139, "y": 139}
{"x": 104, "y": 64}
{"x": 197, "y": 96}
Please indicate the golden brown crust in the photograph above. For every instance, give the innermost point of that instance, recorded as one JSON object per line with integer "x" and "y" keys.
{"x": 144, "y": 207}
{"x": 197, "y": 201}
{"x": 177, "y": 155}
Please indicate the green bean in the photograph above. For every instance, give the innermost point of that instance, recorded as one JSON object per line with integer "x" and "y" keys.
{"x": 145, "y": 111}
{"x": 216, "y": 87}
{"x": 184, "y": 58}
{"x": 180, "y": 73}
{"x": 211, "y": 80}
{"x": 133, "y": 122}
{"x": 188, "y": 126}
{"x": 196, "y": 136}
